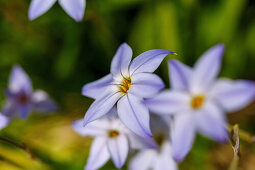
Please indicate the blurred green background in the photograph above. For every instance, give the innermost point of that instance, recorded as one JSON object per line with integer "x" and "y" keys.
{"x": 61, "y": 55}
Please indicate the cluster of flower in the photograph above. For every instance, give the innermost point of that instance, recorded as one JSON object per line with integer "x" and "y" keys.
{"x": 120, "y": 119}
{"x": 21, "y": 99}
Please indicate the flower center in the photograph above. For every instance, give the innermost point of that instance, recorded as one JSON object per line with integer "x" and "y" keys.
{"x": 159, "y": 138}
{"x": 197, "y": 102}
{"x": 23, "y": 98}
{"x": 125, "y": 85}
{"x": 113, "y": 133}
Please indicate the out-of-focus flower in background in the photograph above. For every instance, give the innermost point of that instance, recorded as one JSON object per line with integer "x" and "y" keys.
{"x": 199, "y": 101}
{"x": 160, "y": 158}
{"x": 112, "y": 140}
{"x": 4, "y": 121}
{"x": 21, "y": 99}
{"x": 74, "y": 8}
{"x": 127, "y": 85}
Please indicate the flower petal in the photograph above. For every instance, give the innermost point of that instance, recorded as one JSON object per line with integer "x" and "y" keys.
{"x": 4, "y": 121}
{"x": 179, "y": 75}
{"x": 98, "y": 155}
{"x": 148, "y": 61}
{"x": 42, "y": 102}
{"x": 168, "y": 102}
{"x": 211, "y": 122}
{"x": 39, "y": 7}
{"x": 144, "y": 160}
{"x": 164, "y": 161}
{"x": 101, "y": 106}
{"x": 121, "y": 60}
{"x": 183, "y": 135}
{"x": 133, "y": 113}
{"x": 96, "y": 128}
{"x": 118, "y": 148}
{"x": 19, "y": 81}
{"x": 207, "y": 68}
{"x": 145, "y": 85}
{"x": 233, "y": 95}
{"x": 96, "y": 88}
{"x": 74, "y": 9}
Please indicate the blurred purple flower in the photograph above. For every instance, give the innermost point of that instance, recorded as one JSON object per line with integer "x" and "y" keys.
{"x": 20, "y": 96}
{"x": 112, "y": 140}
{"x": 160, "y": 158}
{"x": 74, "y": 8}
{"x": 199, "y": 101}
{"x": 4, "y": 121}
{"x": 127, "y": 85}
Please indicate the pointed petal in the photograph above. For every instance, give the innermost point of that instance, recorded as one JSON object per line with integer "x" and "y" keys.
{"x": 19, "y": 81}
{"x": 4, "y": 121}
{"x": 211, "y": 122}
{"x": 24, "y": 110}
{"x": 144, "y": 160}
{"x": 98, "y": 155}
{"x": 183, "y": 135}
{"x": 39, "y": 7}
{"x": 179, "y": 75}
{"x": 207, "y": 68}
{"x": 233, "y": 95}
{"x": 121, "y": 60}
{"x": 96, "y": 88}
{"x": 168, "y": 102}
{"x": 133, "y": 113}
{"x": 101, "y": 106}
{"x": 74, "y": 9}
{"x": 42, "y": 102}
{"x": 145, "y": 85}
{"x": 148, "y": 61}
{"x": 96, "y": 128}
{"x": 164, "y": 160}
{"x": 118, "y": 148}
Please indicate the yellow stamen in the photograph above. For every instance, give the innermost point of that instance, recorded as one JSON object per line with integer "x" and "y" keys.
{"x": 125, "y": 85}
{"x": 113, "y": 133}
{"x": 197, "y": 102}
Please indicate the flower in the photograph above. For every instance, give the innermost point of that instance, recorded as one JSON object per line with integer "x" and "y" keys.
{"x": 4, "y": 121}
{"x": 112, "y": 140}
{"x": 199, "y": 101}
{"x": 20, "y": 96}
{"x": 74, "y": 8}
{"x": 127, "y": 85}
{"x": 160, "y": 158}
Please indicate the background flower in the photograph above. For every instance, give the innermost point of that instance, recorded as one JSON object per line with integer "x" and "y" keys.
{"x": 112, "y": 140}
{"x": 199, "y": 101}
{"x": 74, "y": 8}
{"x": 20, "y": 96}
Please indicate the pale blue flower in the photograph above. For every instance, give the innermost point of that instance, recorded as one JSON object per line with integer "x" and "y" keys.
{"x": 160, "y": 158}
{"x": 74, "y": 8}
{"x": 21, "y": 99}
{"x": 199, "y": 101}
{"x": 112, "y": 140}
{"x": 4, "y": 121}
{"x": 127, "y": 85}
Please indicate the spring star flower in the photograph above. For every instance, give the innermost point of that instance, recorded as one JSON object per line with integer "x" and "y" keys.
{"x": 127, "y": 85}
{"x": 160, "y": 158}
{"x": 4, "y": 121}
{"x": 74, "y": 8}
{"x": 112, "y": 140}
{"x": 20, "y": 96}
{"x": 199, "y": 101}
